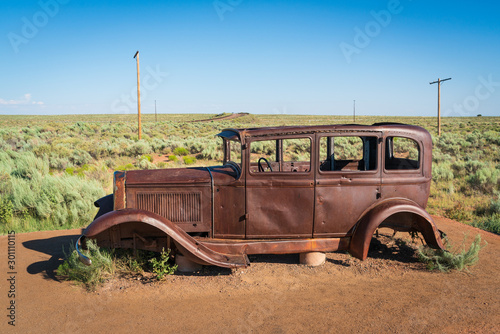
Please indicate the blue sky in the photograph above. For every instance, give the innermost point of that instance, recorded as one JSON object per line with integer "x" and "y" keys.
{"x": 279, "y": 57}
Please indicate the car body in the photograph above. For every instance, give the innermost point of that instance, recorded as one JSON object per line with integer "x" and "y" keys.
{"x": 279, "y": 190}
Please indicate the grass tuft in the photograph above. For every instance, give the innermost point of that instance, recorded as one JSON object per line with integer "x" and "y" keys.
{"x": 451, "y": 260}
{"x": 490, "y": 223}
{"x": 107, "y": 264}
{"x": 102, "y": 268}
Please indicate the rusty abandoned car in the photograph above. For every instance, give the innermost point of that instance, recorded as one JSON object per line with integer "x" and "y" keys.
{"x": 279, "y": 190}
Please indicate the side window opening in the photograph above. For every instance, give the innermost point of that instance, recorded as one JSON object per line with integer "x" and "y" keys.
{"x": 348, "y": 153}
{"x": 401, "y": 154}
{"x": 232, "y": 151}
{"x": 280, "y": 155}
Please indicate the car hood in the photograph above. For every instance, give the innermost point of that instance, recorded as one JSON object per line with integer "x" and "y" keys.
{"x": 196, "y": 175}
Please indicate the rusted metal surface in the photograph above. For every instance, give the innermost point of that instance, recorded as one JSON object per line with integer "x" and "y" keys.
{"x": 283, "y": 246}
{"x": 190, "y": 247}
{"x": 119, "y": 190}
{"x": 412, "y": 218}
{"x": 280, "y": 190}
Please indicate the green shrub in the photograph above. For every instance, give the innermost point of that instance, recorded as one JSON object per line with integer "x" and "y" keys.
{"x": 172, "y": 158}
{"x": 80, "y": 157}
{"x": 139, "y": 148}
{"x": 42, "y": 150}
{"x": 70, "y": 170}
{"x": 98, "y": 272}
{"x": 486, "y": 179}
{"x": 159, "y": 145}
{"x": 181, "y": 151}
{"x": 472, "y": 166}
{"x": 189, "y": 160}
{"x": 495, "y": 205}
{"x": 211, "y": 152}
{"x": 129, "y": 261}
{"x": 34, "y": 192}
{"x": 161, "y": 267}
{"x": 6, "y": 210}
{"x": 57, "y": 162}
{"x": 128, "y": 166}
{"x": 196, "y": 146}
{"x": 446, "y": 260}
{"x": 5, "y": 184}
{"x": 490, "y": 223}
{"x": 458, "y": 212}
{"x": 109, "y": 263}
{"x": 144, "y": 163}
{"x": 442, "y": 172}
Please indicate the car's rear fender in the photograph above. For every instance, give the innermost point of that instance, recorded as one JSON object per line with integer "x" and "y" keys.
{"x": 190, "y": 248}
{"x": 399, "y": 214}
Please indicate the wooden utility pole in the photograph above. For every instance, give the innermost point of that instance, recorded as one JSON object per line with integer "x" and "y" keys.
{"x": 354, "y": 112}
{"x": 156, "y": 117}
{"x": 136, "y": 56}
{"x": 439, "y": 102}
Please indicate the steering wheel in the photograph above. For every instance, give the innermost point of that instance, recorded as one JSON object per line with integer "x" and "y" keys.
{"x": 261, "y": 169}
{"x": 236, "y": 168}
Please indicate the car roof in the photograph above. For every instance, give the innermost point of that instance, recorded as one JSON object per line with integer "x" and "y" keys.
{"x": 394, "y": 128}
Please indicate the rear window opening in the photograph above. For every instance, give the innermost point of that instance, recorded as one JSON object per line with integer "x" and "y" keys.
{"x": 401, "y": 154}
{"x": 348, "y": 153}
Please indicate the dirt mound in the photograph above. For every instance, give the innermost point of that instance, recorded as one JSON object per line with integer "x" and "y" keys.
{"x": 389, "y": 292}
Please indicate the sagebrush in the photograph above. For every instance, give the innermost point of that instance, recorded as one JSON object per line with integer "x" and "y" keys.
{"x": 450, "y": 259}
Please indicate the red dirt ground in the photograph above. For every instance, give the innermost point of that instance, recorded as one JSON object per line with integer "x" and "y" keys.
{"x": 389, "y": 292}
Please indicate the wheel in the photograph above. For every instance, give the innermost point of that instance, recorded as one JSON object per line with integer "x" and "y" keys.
{"x": 261, "y": 169}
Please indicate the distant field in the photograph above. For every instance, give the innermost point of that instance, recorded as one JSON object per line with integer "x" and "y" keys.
{"x": 448, "y": 123}
{"x": 52, "y": 168}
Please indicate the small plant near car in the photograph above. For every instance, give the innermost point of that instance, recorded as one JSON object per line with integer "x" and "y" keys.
{"x": 92, "y": 276}
{"x": 107, "y": 264}
{"x": 161, "y": 267}
{"x": 130, "y": 262}
{"x": 449, "y": 259}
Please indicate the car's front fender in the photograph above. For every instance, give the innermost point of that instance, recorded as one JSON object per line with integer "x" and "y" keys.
{"x": 412, "y": 216}
{"x": 191, "y": 248}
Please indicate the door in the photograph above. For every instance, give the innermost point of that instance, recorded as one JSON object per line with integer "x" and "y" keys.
{"x": 280, "y": 188}
{"x": 348, "y": 180}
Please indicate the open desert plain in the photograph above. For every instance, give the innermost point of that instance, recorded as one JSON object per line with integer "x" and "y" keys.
{"x": 389, "y": 292}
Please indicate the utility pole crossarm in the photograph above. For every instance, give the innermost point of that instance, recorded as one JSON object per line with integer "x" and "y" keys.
{"x": 439, "y": 81}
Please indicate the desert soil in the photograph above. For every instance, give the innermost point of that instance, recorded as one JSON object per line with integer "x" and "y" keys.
{"x": 389, "y": 292}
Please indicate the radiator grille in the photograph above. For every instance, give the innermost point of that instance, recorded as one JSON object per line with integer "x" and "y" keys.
{"x": 176, "y": 207}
